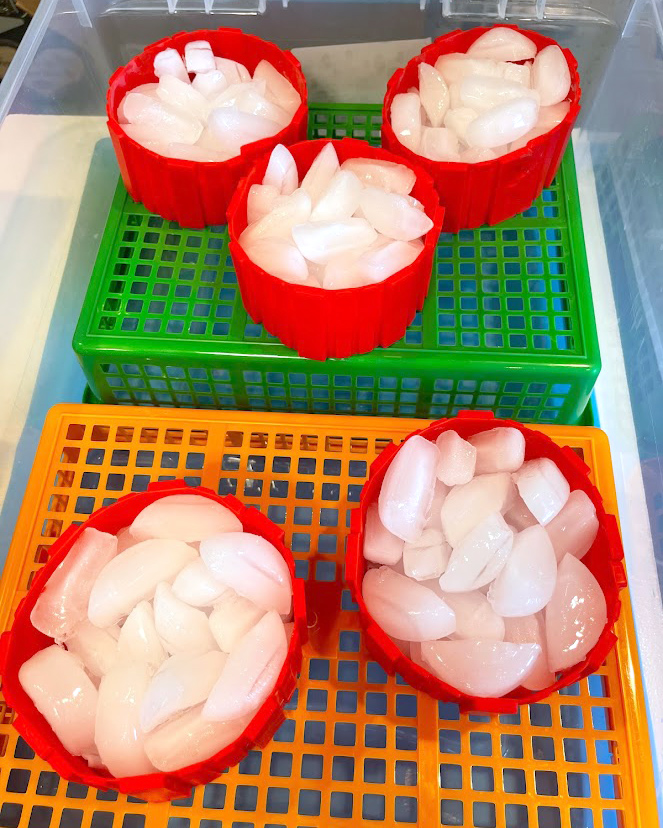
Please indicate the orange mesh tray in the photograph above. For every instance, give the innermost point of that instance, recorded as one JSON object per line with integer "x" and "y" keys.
{"x": 358, "y": 747}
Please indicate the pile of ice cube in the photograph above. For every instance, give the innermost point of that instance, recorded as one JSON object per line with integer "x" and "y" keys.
{"x": 342, "y": 226}
{"x": 475, "y": 563}
{"x": 212, "y": 116}
{"x": 479, "y": 105}
{"x": 168, "y": 637}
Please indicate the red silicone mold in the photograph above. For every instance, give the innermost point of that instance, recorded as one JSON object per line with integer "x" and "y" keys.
{"x": 490, "y": 191}
{"x": 318, "y": 323}
{"x": 604, "y": 559}
{"x": 23, "y": 641}
{"x": 196, "y": 194}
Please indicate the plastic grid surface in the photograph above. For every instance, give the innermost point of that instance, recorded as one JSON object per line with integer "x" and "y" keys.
{"x": 163, "y": 322}
{"x": 358, "y": 747}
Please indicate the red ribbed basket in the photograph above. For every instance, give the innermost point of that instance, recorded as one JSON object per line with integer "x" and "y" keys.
{"x": 318, "y": 323}
{"x": 490, "y": 191}
{"x": 604, "y": 559}
{"x": 196, "y": 193}
{"x": 23, "y": 641}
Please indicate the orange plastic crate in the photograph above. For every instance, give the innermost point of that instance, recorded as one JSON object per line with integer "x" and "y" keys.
{"x": 358, "y": 747}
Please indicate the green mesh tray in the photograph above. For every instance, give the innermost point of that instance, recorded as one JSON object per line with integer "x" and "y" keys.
{"x": 508, "y": 324}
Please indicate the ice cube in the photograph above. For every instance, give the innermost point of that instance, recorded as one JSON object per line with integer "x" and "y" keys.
{"x": 341, "y": 272}
{"x": 574, "y": 529}
{"x": 198, "y": 57}
{"x": 518, "y": 516}
{"x": 551, "y": 76}
{"x": 279, "y": 257}
{"x": 148, "y": 89}
{"x": 253, "y": 102}
{"x": 124, "y": 539}
{"x": 260, "y": 201}
{"x": 467, "y": 505}
{"x": 385, "y": 175}
{"x": 434, "y": 94}
{"x": 169, "y": 62}
{"x": 459, "y": 120}
{"x": 527, "y": 579}
{"x": 182, "y": 98}
{"x": 139, "y": 640}
{"x": 234, "y": 128}
{"x": 439, "y": 144}
{"x": 405, "y": 609}
{"x": 65, "y": 696}
{"x": 234, "y": 94}
{"x": 378, "y": 263}
{"x": 321, "y": 241}
{"x": 481, "y": 667}
{"x": 456, "y": 66}
{"x": 393, "y": 216}
{"x": 209, "y": 141}
{"x": 281, "y": 171}
{"x": 502, "y": 43}
{"x": 380, "y": 545}
{"x": 575, "y": 615}
{"x": 118, "y": 734}
{"x": 151, "y": 112}
{"x": 279, "y": 87}
{"x": 196, "y": 587}
{"x": 250, "y": 672}
{"x": 97, "y": 649}
{"x": 287, "y": 212}
{"x": 434, "y": 517}
{"x": 182, "y": 681}
{"x": 407, "y": 489}
{"x": 232, "y": 617}
{"x": 481, "y": 94}
{"x": 62, "y": 605}
{"x": 320, "y": 173}
{"x": 550, "y": 116}
{"x": 498, "y": 450}
{"x": 530, "y": 629}
{"x": 147, "y": 136}
{"x": 503, "y": 124}
{"x": 210, "y": 84}
{"x": 183, "y": 629}
{"x": 475, "y": 155}
{"x": 426, "y": 557}
{"x": 189, "y": 739}
{"x": 252, "y": 567}
{"x": 475, "y": 618}
{"x": 185, "y": 517}
{"x": 235, "y": 72}
{"x": 543, "y": 487}
{"x": 133, "y": 576}
{"x": 457, "y": 459}
{"x": 517, "y": 72}
{"x": 479, "y": 556}
{"x": 406, "y": 119}
{"x": 340, "y": 199}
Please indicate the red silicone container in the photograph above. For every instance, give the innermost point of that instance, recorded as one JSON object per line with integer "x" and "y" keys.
{"x": 604, "y": 559}
{"x": 318, "y": 323}
{"x": 23, "y": 641}
{"x": 490, "y": 191}
{"x": 194, "y": 193}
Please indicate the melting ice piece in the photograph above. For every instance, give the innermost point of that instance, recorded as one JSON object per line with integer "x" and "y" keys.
{"x": 482, "y": 94}
{"x": 118, "y": 734}
{"x": 139, "y": 640}
{"x": 380, "y": 545}
{"x": 182, "y": 97}
{"x": 253, "y": 102}
{"x": 149, "y": 137}
{"x": 252, "y": 567}
{"x": 550, "y": 116}
{"x": 198, "y": 57}
{"x": 518, "y": 516}
{"x": 321, "y": 241}
{"x": 320, "y": 173}
{"x": 385, "y": 175}
{"x": 467, "y": 505}
{"x": 340, "y": 199}
{"x": 279, "y": 87}
{"x": 573, "y": 531}
{"x": 527, "y": 579}
{"x": 287, "y": 212}
{"x": 236, "y": 128}
{"x": 169, "y": 62}
{"x": 439, "y": 144}
{"x": 63, "y": 603}
{"x": 517, "y": 72}
{"x": 474, "y": 155}
{"x": 182, "y": 681}
{"x": 378, "y": 263}
{"x": 502, "y": 43}
{"x": 279, "y": 257}
{"x": 434, "y": 518}
{"x": 406, "y": 119}
{"x": 407, "y": 489}
{"x": 148, "y": 111}
{"x": 342, "y": 272}
{"x": 458, "y": 120}
{"x": 148, "y": 89}
{"x": 232, "y": 617}
{"x": 97, "y": 649}
{"x": 499, "y": 450}
{"x": 393, "y": 215}
{"x": 183, "y": 629}
{"x": 281, "y": 171}
{"x": 530, "y": 629}
{"x": 480, "y": 555}
{"x": 434, "y": 93}
{"x": 457, "y": 459}
{"x": 133, "y": 576}
{"x": 210, "y": 84}
{"x": 260, "y": 201}
{"x": 196, "y": 587}
{"x": 427, "y": 557}
{"x": 250, "y": 672}
{"x": 475, "y": 618}
{"x": 481, "y": 667}
{"x": 543, "y": 487}
{"x": 503, "y": 124}
{"x": 551, "y": 76}
{"x": 124, "y": 539}
{"x": 575, "y": 615}
{"x": 235, "y": 72}
{"x": 456, "y": 66}
{"x": 63, "y": 693}
{"x": 405, "y": 609}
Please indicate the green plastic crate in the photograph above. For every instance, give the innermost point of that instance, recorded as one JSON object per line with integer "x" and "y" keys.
{"x": 508, "y": 324}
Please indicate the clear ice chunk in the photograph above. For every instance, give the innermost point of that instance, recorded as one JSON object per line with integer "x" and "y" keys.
{"x": 543, "y": 488}
{"x": 479, "y": 556}
{"x": 573, "y": 530}
{"x": 498, "y": 450}
{"x": 457, "y": 459}
{"x": 380, "y": 545}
